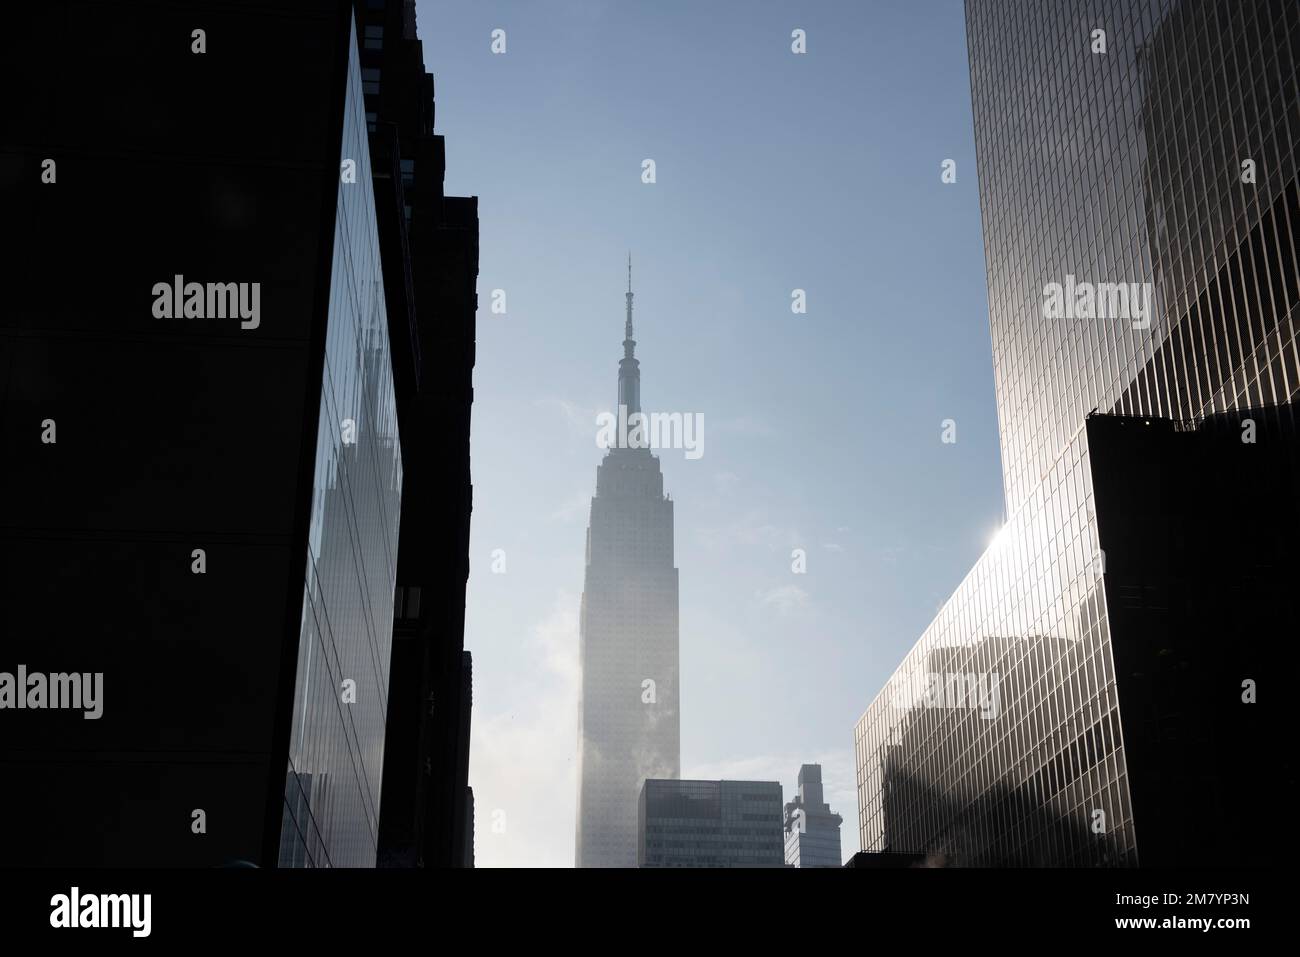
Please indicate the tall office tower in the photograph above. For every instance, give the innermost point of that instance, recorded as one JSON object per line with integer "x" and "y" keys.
{"x": 629, "y": 722}
{"x": 709, "y": 824}
{"x": 1088, "y": 694}
{"x": 432, "y": 240}
{"x": 210, "y": 511}
{"x": 812, "y": 829}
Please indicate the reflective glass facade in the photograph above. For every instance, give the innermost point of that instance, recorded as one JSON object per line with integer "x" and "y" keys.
{"x": 340, "y": 699}
{"x": 1126, "y": 167}
{"x": 1000, "y": 739}
{"x": 710, "y": 824}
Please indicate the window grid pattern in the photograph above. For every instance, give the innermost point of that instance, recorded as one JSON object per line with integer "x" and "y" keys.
{"x": 1116, "y": 167}
{"x": 710, "y": 824}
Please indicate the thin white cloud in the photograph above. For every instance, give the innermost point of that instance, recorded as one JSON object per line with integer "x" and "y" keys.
{"x": 785, "y": 598}
{"x": 753, "y": 529}
{"x": 580, "y": 420}
{"x": 575, "y": 506}
{"x": 724, "y": 482}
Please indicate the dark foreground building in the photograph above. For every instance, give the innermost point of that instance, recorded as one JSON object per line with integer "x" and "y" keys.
{"x": 426, "y": 817}
{"x": 204, "y": 374}
{"x": 884, "y": 861}
{"x": 1097, "y": 690}
{"x": 710, "y": 824}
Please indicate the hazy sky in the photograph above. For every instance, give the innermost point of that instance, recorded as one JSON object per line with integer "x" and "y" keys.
{"x": 775, "y": 171}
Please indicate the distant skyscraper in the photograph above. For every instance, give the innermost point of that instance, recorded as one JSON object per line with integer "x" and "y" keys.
{"x": 709, "y": 824}
{"x": 628, "y": 724}
{"x": 1078, "y": 697}
{"x": 812, "y": 829}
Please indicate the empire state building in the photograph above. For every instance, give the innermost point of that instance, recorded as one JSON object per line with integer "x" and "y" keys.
{"x": 629, "y": 718}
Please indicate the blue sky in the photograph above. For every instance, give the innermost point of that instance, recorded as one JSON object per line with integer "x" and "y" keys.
{"x": 775, "y": 171}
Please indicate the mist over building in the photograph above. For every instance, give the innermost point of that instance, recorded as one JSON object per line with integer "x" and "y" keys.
{"x": 629, "y": 720}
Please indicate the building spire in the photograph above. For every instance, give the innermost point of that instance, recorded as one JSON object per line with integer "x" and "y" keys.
{"x": 627, "y": 329}
{"x": 629, "y": 371}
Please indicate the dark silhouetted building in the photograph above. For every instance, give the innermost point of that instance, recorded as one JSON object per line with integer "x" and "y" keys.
{"x": 884, "y": 861}
{"x": 213, "y": 479}
{"x": 1087, "y": 695}
{"x": 468, "y": 859}
{"x": 432, "y": 239}
{"x": 710, "y": 824}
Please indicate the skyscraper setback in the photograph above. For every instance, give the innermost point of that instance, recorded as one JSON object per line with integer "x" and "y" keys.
{"x": 629, "y": 718}
{"x": 1133, "y": 599}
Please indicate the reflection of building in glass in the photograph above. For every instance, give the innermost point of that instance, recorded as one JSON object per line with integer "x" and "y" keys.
{"x": 812, "y": 829}
{"x": 231, "y": 567}
{"x": 709, "y": 824}
{"x": 628, "y": 724}
{"x": 341, "y": 691}
{"x": 301, "y": 849}
{"x": 1121, "y": 608}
